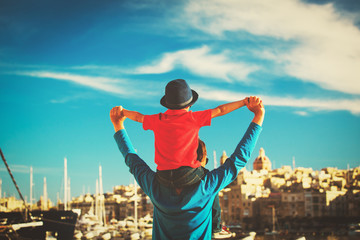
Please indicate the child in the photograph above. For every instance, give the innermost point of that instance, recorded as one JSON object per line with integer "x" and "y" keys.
{"x": 176, "y": 130}
{"x": 176, "y": 133}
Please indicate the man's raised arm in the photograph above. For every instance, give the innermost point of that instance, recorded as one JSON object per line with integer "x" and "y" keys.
{"x": 227, "y": 172}
{"x": 122, "y": 139}
{"x": 247, "y": 144}
{"x": 141, "y": 171}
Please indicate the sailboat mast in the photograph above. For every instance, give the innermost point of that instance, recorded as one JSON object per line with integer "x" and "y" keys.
{"x": 215, "y": 161}
{"x": 102, "y": 198}
{"x": 69, "y": 195}
{"x": 97, "y": 212}
{"x": 31, "y": 187}
{"x": 273, "y": 218}
{"x": 45, "y": 198}
{"x": 16, "y": 186}
{"x": 135, "y": 205}
{"x": 65, "y": 184}
{"x": 293, "y": 160}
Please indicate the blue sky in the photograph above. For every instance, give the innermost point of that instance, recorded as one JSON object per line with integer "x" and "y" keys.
{"x": 65, "y": 64}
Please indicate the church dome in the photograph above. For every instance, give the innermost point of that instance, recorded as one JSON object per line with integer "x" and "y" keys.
{"x": 262, "y": 162}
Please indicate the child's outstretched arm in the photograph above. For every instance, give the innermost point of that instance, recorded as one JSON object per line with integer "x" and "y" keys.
{"x": 228, "y": 107}
{"x": 135, "y": 116}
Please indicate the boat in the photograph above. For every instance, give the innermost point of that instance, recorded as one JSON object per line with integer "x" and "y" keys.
{"x": 354, "y": 229}
{"x": 36, "y": 224}
{"x": 78, "y": 234}
{"x": 42, "y": 225}
{"x": 251, "y": 236}
{"x": 146, "y": 225}
{"x": 239, "y": 233}
{"x": 106, "y": 236}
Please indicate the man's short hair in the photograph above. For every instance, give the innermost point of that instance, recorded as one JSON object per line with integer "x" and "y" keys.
{"x": 201, "y": 151}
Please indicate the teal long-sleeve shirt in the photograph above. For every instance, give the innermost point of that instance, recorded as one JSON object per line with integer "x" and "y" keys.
{"x": 186, "y": 215}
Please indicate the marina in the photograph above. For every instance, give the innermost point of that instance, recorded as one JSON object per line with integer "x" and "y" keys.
{"x": 127, "y": 214}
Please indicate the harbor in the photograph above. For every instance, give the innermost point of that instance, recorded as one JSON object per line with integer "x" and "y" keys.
{"x": 126, "y": 213}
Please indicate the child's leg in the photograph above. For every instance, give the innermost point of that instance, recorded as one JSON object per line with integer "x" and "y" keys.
{"x": 216, "y": 215}
{"x": 180, "y": 177}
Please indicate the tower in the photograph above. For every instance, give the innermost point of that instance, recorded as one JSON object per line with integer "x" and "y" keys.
{"x": 31, "y": 187}
{"x": 65, "y": 185}
{"x": 223, "y": 158}
{"x": 45, "y": 197}
{"x": 262, "y": 162}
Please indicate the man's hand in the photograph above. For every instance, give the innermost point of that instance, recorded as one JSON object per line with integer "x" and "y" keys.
{"x": 117, "y": 118}
{"x": 256, "y": 106}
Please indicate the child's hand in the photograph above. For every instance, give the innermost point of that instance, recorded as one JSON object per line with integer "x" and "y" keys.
{"x": 117, "y": 114}
{"x": 255, "y": 105}
{"x": 117, "y": 118}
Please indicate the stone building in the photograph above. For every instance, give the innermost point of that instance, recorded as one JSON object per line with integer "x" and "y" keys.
{"x": 292, "y": 204}
{"x": 315, "y": 203}
{"x": 262, "y": 162}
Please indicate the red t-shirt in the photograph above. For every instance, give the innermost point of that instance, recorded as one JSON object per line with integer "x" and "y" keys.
{"x": 176, "y": 137}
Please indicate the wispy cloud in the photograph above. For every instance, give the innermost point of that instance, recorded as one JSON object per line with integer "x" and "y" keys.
{"x": 314, "y": 104}
{"x": 66, "y": 99}
{"x": 301, "y": 113}
{"x": 326, "y": 47}
{"x": 17, "y": 169}
{"x": 99, "y": 83}
{"x": 110, "y": 70}
{"x": 207, "y": 92}
{"x": 119, "y": 86}
{"x": 26, "y": 169}
{"x": 201, "y": 62}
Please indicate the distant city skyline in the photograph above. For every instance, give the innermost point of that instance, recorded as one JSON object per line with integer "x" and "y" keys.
{"x": 64, "y": 65}
{"x": 248, "y": 167}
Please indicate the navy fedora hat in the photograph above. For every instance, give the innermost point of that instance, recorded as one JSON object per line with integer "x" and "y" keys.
{"x": 178, "y": 95}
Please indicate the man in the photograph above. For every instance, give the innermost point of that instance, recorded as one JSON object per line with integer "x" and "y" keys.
{"x": 185, "y": 213}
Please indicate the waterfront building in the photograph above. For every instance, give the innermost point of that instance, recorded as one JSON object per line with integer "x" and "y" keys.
{"x": 262, "y": 162}
{"x": 295, "y": 193}
{"x": 267, "y": 210}
{"x": 43, "y": 204}
{"x": 118, "y": 205}
{"x": 315, "y": 203}
{"x": 231, "y": 204}
{"x": 9, "y": 204}
{"x": 292, "y": 204}
{"x": 347, "y": 204}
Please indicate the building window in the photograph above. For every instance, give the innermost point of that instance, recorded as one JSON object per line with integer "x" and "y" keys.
{"x": 246, "y": 212}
